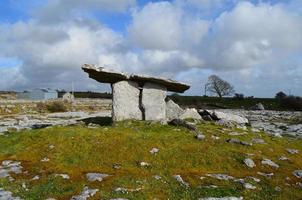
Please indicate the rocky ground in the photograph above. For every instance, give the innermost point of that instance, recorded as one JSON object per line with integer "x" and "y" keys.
{"x": 276, "y": 123}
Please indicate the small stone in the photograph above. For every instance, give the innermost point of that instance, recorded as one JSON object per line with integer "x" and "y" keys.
{"x": 268, "y": 175}
{"x": 200, "y": 137}
{"x": 278, "y": 189}
{"x": 298, "y": 173}
{"x": 283, "y": 158}
{"x": 45, "y": 160}
{"x": 64, "y": 176}
{"x": 181, "y": 181}
{"x": 249, "y": 162}
{"x": 257, "y": 180}
{"x": 214, "y": 137}
{"x": 221, "y": 198}
{"x": 117, "y": 166}
{"x": 220, "y": 176}
{"x": 157, "y": 177}
{"x": 249, "y": 186}
{"x": 86, "y": 193}
{"x": 37, "y": 177}
{"x": 237, "y": 141}
{"x": 269, "y": 162}
{"x": 96, "y": 176}
{"x": 258, "y": 141}
{"x": 292, "y": 151}
{"x": 51, "y": 146}
{"x": 154, "y": 150}
{"x": 144, "y": 164}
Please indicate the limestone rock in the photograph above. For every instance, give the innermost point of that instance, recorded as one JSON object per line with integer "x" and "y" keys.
{"x": 153, "y": 102}
{"x": 220, "y": 176}
{"x": 173, "y": 111}
{"x": 96, "y": 176}
{"x": 221, "y": 198}
{"x": 298, "y": 173}
{"x": 86, "y": 193}
{"x": 181, "y": 181}
{"x": 292, "y": 151}
{"x": 125, "y": 101}
{"x": 190, "y": 113}
{"x": 269, "y": 162}
{"x": 229, "y": 117}
{"x": 200, "y": 137}
{"x": 249, "y": 162}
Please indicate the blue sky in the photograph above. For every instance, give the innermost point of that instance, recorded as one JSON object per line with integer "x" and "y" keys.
{"x": 253, "y": 44}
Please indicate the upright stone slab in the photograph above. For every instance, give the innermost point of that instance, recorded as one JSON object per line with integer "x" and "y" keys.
{"x": 125, "y": 101}
{"x": 153, "y": 102}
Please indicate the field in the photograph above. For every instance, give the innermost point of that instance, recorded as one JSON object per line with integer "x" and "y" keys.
{"x": 226, "y": 102}
{"x": 77, "y": 150}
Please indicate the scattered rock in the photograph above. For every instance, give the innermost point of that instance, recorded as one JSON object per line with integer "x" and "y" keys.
{"x": 9, "y": 166}
{"x": 200, "y": 137}
{"x": 267, "y": 175}
{"x": 86, "y": 193}
{"x": 298, "y": 173}
{"x": 237, "y": 141}
{"x": 269, "y": 162}
{"x": 37, "y": 177}
{"x": 214, "y": 137}
{"x": 220, "y": 176}
{"x": 6, "y": 195}
{"x": 236, "y": 134}
{"x": 117, "y": 166}
{"x": 181, "y": 181}
{"x": 144, "y": 164}
{"x": 154, "y": 150}
{"x": 249, "y": 186}
{"x": 229, "y": 117}
{"x": 157, "y": 177}
{"x": 278, "y": 189}
{"x": 221, "y": 198}
{"x": 283, "y": 158}
{"x": 257, "y": 180}
{"x": 96, "y": 176}
{"x": 292, "y": 151}
{"x": 126, "y": 190}
{"x": 249, "y": 162}
{"x": 258, "y": 141}
{"x": 64, "y": 176}
{"x": 45, "y": 159}
{"x": 190, "y": 113}
{"x": 183, "y": 123}
{"x": 51, "y": 146}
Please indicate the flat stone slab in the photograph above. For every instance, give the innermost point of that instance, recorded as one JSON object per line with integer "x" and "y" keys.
{"x": 103, "y": 75}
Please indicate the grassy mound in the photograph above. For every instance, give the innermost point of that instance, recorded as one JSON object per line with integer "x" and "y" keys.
{"x": 79, "y": 150}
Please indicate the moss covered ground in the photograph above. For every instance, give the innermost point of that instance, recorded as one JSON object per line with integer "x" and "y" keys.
{"x": 79, "y": 150}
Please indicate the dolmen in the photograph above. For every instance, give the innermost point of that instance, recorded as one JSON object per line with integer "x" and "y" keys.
{"x": 137, "y": 97}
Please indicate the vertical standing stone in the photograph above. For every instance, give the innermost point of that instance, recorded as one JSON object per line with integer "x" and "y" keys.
{"x": 125, "y": 101}
{"x": 153, "y": 102}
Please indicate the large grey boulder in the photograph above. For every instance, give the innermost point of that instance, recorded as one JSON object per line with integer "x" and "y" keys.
{"x": 153, "y": 102}
{"x": 173, "y": 111}
{"x": 125, "y": 101}
{"x": 229, "y": 117}
{"x": 190, "y": 113}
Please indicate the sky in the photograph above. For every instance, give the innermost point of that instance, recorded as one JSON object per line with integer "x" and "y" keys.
{"x": 256, "y": 45}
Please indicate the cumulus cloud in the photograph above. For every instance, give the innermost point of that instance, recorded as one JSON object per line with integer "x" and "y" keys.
{"x": 247, "y": 44}
{"x": 56, "y": 10}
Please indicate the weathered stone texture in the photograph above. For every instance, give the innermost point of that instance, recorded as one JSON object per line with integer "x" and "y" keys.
{"x": 125, "y": 101}
{"x": 173, "y": 111}
{"x": 153, "y": 102}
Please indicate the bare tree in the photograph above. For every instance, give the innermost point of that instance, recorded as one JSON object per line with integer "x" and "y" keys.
{"x": 219, "y": 87}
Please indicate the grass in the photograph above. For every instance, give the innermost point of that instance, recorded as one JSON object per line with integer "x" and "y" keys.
{"x": 79, "y": 150}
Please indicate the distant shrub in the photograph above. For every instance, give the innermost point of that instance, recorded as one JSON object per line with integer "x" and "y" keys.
{"x": 238, "y": 96}
{"x": 291, "y": 103}
{"x": 280, "y": 95}
{"x": 41, "y": 107}
{"x": 56, "y": 106}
